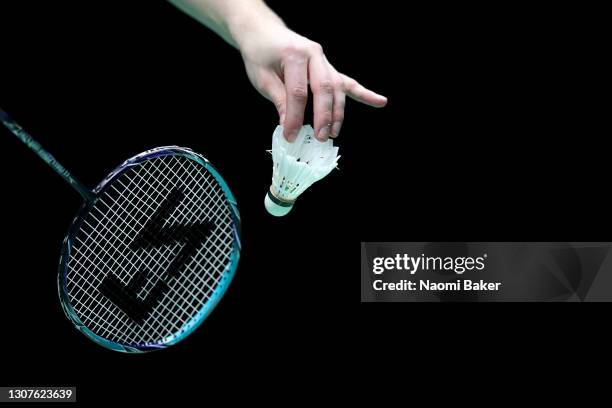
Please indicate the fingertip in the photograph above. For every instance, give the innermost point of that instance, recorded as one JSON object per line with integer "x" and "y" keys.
{"x": 382, "y": 101}
{"x": 336, "y": 130}
{"x": 323, "y": 134}
{"x": 290, "y": 134}
{"x": 376, "y": 101}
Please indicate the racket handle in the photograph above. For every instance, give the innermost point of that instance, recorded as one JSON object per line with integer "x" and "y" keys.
{"x": 43, "y": 154}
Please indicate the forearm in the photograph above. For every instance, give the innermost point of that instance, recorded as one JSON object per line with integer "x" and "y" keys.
{"x": 233, "y": 20}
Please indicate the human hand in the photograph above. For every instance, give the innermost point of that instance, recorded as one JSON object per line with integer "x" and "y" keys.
{"x": 281, "y": 64}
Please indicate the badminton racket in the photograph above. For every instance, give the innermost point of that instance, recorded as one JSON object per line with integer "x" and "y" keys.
{"x": 151, "y": 251}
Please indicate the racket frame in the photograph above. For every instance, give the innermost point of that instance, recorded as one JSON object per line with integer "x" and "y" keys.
{"x": 88, "y": 205}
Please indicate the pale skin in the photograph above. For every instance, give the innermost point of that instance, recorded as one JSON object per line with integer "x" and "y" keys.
{"x": 282, "y": 64}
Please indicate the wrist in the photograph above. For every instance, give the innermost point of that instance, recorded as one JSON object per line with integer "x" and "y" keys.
{"x": 253, "y": 25}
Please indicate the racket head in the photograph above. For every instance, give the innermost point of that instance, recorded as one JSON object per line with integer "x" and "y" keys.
{"x": 200, "y": 277}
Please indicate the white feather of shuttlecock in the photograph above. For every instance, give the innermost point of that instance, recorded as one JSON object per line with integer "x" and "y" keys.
{"x": 299, "y": 164}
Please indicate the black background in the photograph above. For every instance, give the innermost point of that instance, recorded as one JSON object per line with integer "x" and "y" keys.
{"x": 491, "y": 133}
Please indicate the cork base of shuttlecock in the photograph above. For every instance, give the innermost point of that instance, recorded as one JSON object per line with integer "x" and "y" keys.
{"x": 275, "y": 206}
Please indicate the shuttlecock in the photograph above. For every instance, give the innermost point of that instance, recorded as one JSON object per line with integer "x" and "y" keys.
{"x": 296, "y": 167}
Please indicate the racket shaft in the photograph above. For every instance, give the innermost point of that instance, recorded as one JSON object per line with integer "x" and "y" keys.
{"x": 43, "y": 154}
